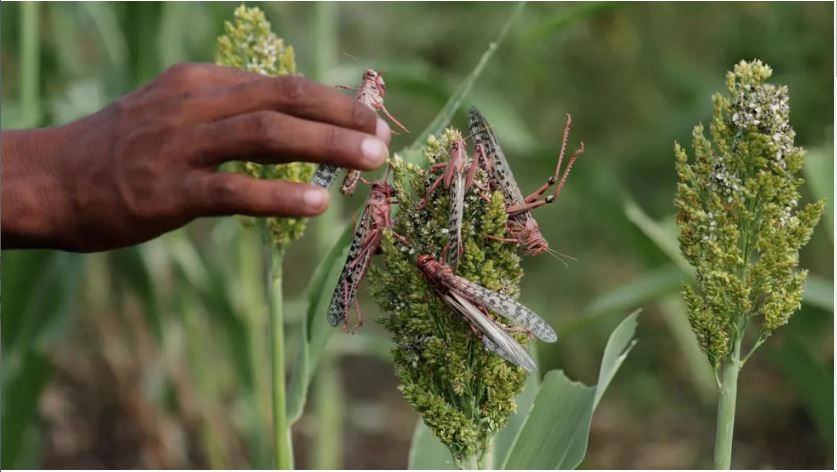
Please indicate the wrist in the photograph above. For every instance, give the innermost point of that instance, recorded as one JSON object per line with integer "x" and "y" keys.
{"x": 34, "y": 204}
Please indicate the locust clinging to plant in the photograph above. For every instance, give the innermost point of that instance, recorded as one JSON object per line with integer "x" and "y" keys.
{"x": 521, "y": 225}
{"x": 371, "y": 93}
{"x": 474, "y": 301}
{"x": 365, "y": 243}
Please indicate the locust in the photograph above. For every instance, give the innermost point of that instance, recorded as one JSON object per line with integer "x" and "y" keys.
{"x": 521, "y": 226}
{"x": 473, "y": 302}
{"x": 457, "y": 176}
{"x": 365, "y": 243}
{"x": 371, "y": 93}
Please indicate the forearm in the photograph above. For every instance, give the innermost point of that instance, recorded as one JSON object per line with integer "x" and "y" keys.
{"x": 33, "y": 207}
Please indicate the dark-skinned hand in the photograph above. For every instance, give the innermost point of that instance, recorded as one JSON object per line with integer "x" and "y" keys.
{"x": 147, "y": 163}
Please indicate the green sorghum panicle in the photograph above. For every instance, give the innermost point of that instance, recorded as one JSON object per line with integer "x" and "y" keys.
{"x": 463, "y": 392}
{"x": 249, "y": 44}
{"x": 738, "y": 208}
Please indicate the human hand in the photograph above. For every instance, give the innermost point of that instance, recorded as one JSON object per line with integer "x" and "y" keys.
{"x": 148, "y": 162}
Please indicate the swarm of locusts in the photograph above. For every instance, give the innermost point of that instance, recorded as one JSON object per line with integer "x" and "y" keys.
{"x": 450, "y": 237}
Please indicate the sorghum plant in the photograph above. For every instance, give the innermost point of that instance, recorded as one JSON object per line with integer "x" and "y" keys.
{"x": 463, "y": 392}
{"x": 741, "y": 227}
{"x": 249, "y": 44}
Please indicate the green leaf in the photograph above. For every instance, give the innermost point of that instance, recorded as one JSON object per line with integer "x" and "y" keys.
{"x": 677, "y": 320}
{"x": 569, "y": 16}
{"x": 647, "y": 287}
{"x": 813, "y": 381}
{"x": 315, "y": 328}
{"x": 427, "y": 452}
{"x": 819, "y": 292}
{"x": 554, "y": 435}
{"x": 663, "y": 235}
{"x": 619, "y": 344}
{"x": 21, "y": 391}
{"x": 129, "y": 268}
{"x": 819, "y": 172}
{"x": 505, "y": 438}
{"x": 447, "y": 112}
{"x": 562, "y": 411}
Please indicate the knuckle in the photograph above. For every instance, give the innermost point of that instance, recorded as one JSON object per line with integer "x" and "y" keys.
{"x": 224, "y": 193}
{"x": 333, "y": 140}
{"x": 362, "y": 117}
{"x": 294, "y": 89}
{"x": 261, "y": 126}
{"x": 186, "y": 73}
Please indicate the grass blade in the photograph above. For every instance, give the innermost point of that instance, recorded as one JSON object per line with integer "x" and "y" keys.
{"x": 664, "y": 236}
{"x": 447, "y": 112}
{"x": 315, "y": 328}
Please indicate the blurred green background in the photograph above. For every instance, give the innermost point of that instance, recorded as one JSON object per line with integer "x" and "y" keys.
{"x": 154, "y": 356}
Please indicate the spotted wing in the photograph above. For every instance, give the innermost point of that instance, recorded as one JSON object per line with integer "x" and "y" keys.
{"x": 504, "y": 306}
{"x": 494, "y": 338}
{"x": 501, "y": 176}
{"x": 457, "y": 202}
{"x": 356, "y": 263}
{"x": 324, "y": 176}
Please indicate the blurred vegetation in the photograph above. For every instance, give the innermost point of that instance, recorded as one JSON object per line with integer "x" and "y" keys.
{"x": 149, "y": 356}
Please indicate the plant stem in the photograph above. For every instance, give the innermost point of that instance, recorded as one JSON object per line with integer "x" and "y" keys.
{"x": 726, "y": 407}
{"x": 470, "y": 463}
{"x": 327, "y": 449}
{"x": 281, "y": 430}
{"x": 488, "y": 456}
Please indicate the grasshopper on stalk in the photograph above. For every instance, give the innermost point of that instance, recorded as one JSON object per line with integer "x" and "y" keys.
{"x": 365, "y": 243}
{"x": 371, "y": 93}
{"x": 473, "y": 302}
{"x": 521, "y": 226}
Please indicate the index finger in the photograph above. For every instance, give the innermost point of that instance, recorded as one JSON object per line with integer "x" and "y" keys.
{"x": 291, "y": 95}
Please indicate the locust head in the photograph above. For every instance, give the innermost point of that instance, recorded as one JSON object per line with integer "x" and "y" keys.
{"x": 528, "y": 235}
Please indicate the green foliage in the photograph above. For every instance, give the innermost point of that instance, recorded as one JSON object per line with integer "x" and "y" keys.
{"x": 249, "y": 44}
{"x": 737, "y": 209}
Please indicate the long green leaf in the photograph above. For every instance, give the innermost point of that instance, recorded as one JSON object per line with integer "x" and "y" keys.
{"x": 21, "y": 392}
{"x": 315, "y": 328}
{"x": 446, "y": 114}
{"x": 563, "y": 410}
{"x": 819, "y": 292}
{"x": 647, "y": 287}
{"x": 555, "y": 433}
{"x": 569, "y": 16}
{"x": 702, "y": 376}
{"x": 664, "y": 236}
{"x": 505, "y": 438}
{"x": 619, "y": 344}
{"x": 819, "y": 173}
{"x": 130, "y": 268}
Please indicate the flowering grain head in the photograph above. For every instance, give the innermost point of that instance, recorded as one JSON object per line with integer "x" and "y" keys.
{"x": 463, "y": 392}
{"x": 738, "y": 208}
{"x": 249, "y": 44}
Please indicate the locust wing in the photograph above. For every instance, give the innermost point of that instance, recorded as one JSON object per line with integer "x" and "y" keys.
{"x": 504, "y": 306}
{"x": 494, "y": 338}
{"x": 501, "y": 174}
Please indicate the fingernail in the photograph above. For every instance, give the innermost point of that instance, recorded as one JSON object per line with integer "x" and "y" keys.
{"x": 374, "y": 151}
{"x": 382, "y": 131}
{"x": 314, "y": 197}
